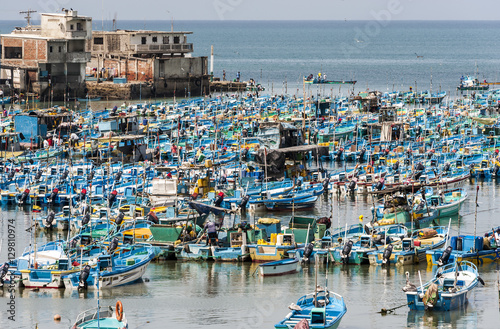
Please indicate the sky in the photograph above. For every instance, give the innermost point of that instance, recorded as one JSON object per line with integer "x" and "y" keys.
{"x": 263, "y": 9}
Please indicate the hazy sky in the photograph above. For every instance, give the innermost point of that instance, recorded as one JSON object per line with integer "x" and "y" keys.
{"x": 264, "y": 9}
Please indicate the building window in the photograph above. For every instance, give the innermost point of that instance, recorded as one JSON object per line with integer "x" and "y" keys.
{"x": 166, "y": 40}
{"x": 177, "y": 39}
{"x": 98, "y": 41}
{"x": 13, "y": 52}
{"x": 143, "y": 40}
{"x": 155, "y": 39}
{"x": 50, "y": 49}
{"x": 79, "y": 26}
{"x": 60, "y": 48}
{"x": 71, "y": 27}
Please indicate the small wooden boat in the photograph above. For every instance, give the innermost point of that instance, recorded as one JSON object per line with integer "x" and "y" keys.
{"x": 279, "y": 267}
{"x": 446, "y": 291}
{"x": 102, "y": 318}
{"x": 411, "y": 250}
{"x": 320, "y": 309}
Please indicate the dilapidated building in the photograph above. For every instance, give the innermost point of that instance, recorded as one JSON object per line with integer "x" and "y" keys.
{"x": 50, "y": 59}
{"x": 154, "y": 63}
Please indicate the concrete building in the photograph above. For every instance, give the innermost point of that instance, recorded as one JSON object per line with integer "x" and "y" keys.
{"x": 145, "y": 64}
{"x": 48, "y": 60}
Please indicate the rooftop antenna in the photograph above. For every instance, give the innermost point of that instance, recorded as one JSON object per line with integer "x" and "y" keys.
{"x": 171, "y": 21}
{"x": 28, "y": 15}
{"x": 114, "y": 22}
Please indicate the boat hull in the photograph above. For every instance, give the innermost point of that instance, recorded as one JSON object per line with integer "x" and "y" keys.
{"x": 282, "y": 267}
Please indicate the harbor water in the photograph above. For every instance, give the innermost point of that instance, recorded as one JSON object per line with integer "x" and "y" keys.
{"x": 228, "y": 295}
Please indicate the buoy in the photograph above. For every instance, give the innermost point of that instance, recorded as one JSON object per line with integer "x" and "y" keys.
{"x": 57, "y": 317}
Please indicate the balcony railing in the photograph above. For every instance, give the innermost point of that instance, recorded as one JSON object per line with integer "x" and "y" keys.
{"x": 78, "y": 57}
{"x": 172, "y": 48}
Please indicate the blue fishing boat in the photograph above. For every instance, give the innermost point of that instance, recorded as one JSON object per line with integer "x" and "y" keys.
{"x": 125, "y": 266}
{"x": 102, "y": 318}
{"x": 410, "y": 250}
{"x": 448, "y": 289}
{"x": 464, "y": 247}
{"x": 320, "y": 309}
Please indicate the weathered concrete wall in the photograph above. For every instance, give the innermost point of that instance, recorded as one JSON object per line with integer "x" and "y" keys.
{"x": 161, "y": 88}
{"x": 183, "y": 67}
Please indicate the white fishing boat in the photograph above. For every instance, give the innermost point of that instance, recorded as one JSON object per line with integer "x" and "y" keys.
{"x": 279, "y": 267}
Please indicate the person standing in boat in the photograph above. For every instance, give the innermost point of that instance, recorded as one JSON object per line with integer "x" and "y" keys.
{"x": 211, "y": 229}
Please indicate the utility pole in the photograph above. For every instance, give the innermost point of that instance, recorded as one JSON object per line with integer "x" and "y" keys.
{"x": 28, "y": 15}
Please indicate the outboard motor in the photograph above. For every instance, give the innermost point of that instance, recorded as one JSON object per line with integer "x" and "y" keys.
{"x": 368, "y": 228}
{"x": 386, "y": 152}
{"x": 3, "y": 272}
{"x": 395, "y": 166}
{"x": 113, "y": 111}
{"x": 90, "y": 176}
{"x": 307, "y": 252}
{"x": 11, "y": 175}
{"x": 419, "y": 166}
{"x": 446, "y": 167}
{"x": 380, "y": 185}
{"x": 326, "y": 183}
{"x": 64, "y": 175}
{"x": 244, "y": 201}
{"x": 113, "y": 245}
{"x": 84, "y": 275}
{"x": 85, "y": 219}
{"x": 346, "y": 251}
{"x": 352, "y": 186}
{"x": 111, "y": 198}
{"x": 156, "y": 153}
{"x": 339, "y": 154}
{"x": 49, "y": 220}
{"x": 362, "y": 154}
{"x": 24, "y": 196}
{"x": 73, "y": 243}
{"x": 119, "y": 218}
{"x": 244, "y": 154}
{"x": 118, "y": 176}
{"x": 219, "y": 199}
{"x": 443, "y": 260}
{"x": 407, "y": 162}
{"x": 53, "y": 195}
{"x": 495, "y": 170}
{"x": 153, "y": 218}
{"x": 387, "y": 254}
{"x": 38, "y": 174}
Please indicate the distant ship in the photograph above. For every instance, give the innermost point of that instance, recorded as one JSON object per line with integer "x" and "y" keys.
{"x": 319, "y": 80}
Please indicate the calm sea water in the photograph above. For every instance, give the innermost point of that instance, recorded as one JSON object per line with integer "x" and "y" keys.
{"x": 212, "y": 295}
{"x": 382, "y": 57}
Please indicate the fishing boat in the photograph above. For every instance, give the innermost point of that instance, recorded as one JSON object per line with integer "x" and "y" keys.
{"x": 356, "y": 252}
{"x": 125, "y": 266}
{"x": 102, "y": 318}
{"x": 410, "y": 250}
{"x": 448, "y": 289}
{"x": 321, "y": 309}
{"x": 461, "y": 248}
{"x": 275, "y": 250}
{"x": 449, "y": 202}
{"x": 472, "y": 83}
{"x": 279, "y": 267}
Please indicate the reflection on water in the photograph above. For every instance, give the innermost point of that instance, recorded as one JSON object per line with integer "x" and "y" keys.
{"x": 429, "y": 319}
